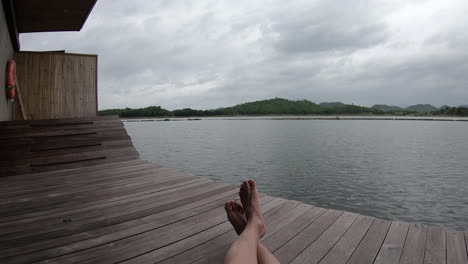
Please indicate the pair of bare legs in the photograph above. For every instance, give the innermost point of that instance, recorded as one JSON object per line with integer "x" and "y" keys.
{"x": 247, "y": 220}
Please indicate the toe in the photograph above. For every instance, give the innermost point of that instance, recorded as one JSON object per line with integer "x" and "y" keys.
{"x": 252, "y": 184}
{"x": 228, "y": 206}
{"x": 243, "y": 186}
{"x": 237, "y": 206}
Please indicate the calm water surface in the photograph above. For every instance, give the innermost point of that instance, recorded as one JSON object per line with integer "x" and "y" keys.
{"x": 413, "y": 171}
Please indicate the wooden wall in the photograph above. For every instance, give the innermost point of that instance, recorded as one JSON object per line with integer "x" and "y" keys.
{"x": 56, "y": 85}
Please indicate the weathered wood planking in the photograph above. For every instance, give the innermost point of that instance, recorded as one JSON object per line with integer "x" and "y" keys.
{"x": 38, "y": 146}
{"x": 56, "y": 85}
{"x": 138, "y": 212}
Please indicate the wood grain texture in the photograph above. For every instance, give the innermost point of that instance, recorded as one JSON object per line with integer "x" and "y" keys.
{"x": 56, "y": 85}
{"x": 281, "y": 237}
{"x": 371, "y": 243}
{"x": 315, "y": 252}
{"x": 456, "y": 248}
{"x": 435, "y": 246}
{"x": 348, "y": 243}
{"x": 295, "y": 246}
{"x": 393, "y": 244}
{"x": 415, "y": 245}
{"x": 60, "y": 144}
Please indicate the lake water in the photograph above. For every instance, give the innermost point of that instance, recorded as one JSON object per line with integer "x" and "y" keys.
{"x": 412, "y": 171}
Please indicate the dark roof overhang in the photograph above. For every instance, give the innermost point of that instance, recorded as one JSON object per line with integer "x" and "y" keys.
{"x": 26, "y": 16}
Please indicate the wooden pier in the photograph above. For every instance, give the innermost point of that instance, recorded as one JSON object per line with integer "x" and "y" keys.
{"x": 75, "y": 191}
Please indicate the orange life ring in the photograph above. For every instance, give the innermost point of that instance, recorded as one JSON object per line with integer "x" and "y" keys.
{"x": 11, "y": 80}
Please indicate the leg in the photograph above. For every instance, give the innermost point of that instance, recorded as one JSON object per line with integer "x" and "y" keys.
{"x": 237, "y": 217}
{"x": 264, "y": 255}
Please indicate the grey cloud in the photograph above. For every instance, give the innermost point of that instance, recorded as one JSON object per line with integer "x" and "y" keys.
{"x": 330, "y": 26}
{"x": 213, "y": 53}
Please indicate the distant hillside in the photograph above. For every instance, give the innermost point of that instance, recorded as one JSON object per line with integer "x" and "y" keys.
{"x": 465, "y": 106}
{"x": 140, "y": 112}
{"x": 444, "y": 106}
{"x": 387, "y": 108}
{"x": 280, "y": 106}
{"x": 353, "y": 110}
{"x": 331, "y": 104}
{"x": 452, "y": 111}
{"x": 422, "y": 108}
{"x": 276, "y": 106}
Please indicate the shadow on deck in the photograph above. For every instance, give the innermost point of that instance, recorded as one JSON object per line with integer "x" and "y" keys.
{"x": 76, "y": 191}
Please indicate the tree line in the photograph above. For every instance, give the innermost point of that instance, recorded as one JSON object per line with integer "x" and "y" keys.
{"x": 276, "y": 106}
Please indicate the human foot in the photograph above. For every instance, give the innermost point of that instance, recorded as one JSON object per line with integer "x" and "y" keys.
{"x": 236, "y": 216}
{"x": 249, "y": 198}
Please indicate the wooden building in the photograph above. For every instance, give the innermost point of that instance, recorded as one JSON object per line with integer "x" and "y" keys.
{"x": 52, "y": 84}
{"x": 56, "y": 85}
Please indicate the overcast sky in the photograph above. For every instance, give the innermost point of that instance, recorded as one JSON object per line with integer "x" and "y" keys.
{"x": 212, "y": 53}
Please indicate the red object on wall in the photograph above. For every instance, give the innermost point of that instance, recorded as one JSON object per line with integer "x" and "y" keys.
{"x": 11, "y": 80}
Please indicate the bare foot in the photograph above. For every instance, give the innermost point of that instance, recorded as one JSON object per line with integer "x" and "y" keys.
{"x": 249, "y": 198}
{"x": 236, "y": 215}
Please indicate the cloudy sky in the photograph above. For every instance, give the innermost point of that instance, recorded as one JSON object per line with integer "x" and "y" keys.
{"x": 212, "y": 53}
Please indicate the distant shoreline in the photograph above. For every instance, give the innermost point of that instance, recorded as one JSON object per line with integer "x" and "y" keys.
{"x": 305, "y": 117}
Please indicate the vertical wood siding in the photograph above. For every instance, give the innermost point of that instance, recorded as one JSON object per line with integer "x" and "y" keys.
{"x": 56, "y": 85}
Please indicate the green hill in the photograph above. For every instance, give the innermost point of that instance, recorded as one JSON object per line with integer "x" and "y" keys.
{"x": 331, "y": 104}
{"x": 452, "y": 111}
{"x": 387, "y": 108}
{"x": 139, "y": 112}
{"x": 276, "y": 106}
{"x": 464, "y": 106}
{"x": 353, "y": 110}
{"x": 422, "y": 108}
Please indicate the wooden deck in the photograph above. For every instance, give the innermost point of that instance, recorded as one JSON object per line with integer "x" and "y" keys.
{"x": 74, "y": 208}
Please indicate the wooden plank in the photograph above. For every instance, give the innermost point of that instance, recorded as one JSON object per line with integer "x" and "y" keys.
{"x": 28, "y": 178}
{"x": 194, "y": 247}
{"x": 435, "y": 246}
{"x": 466, "y": 241}
{"x": 18, "y": 188}
{"x": 45, "y": 149}
{"x": 11, "y": 123}
{"x": 69, "y": 147}
{"x": 107, "y": 199}
{"x": 68, "y": 187}
{"x": 108, "y": 205}
{"x": 278, "y": 239}
{"x": 65, "y": 195}
{"x": 36, "y": 183}
{"x": 393, "y": 244}
{"x": 97, "y": 240}
{"x": 194, "y": 232}
{"x": 371, "y": 243}
{"x": 270, "y": 240}
{"x": 103, "y": 201}
{"x": 415, "y": 245}
{"x": 293, "y": 247}
{"x": 111, "y": 156}
{"x": 67, "y": 133}
{"x": 158, "y": 225}
{"x": 24, "y": 131}
{"x": 116, "y": 218}
{"x": 126, "y": 210}
{"x": 345, "y": 247}
{"x": 43, "y": 161}
{"x": 319, "y": 248}
{"x": 456, "y": 247}
{"x": 285, "y": 219}
{"x": 213, "y": 251}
